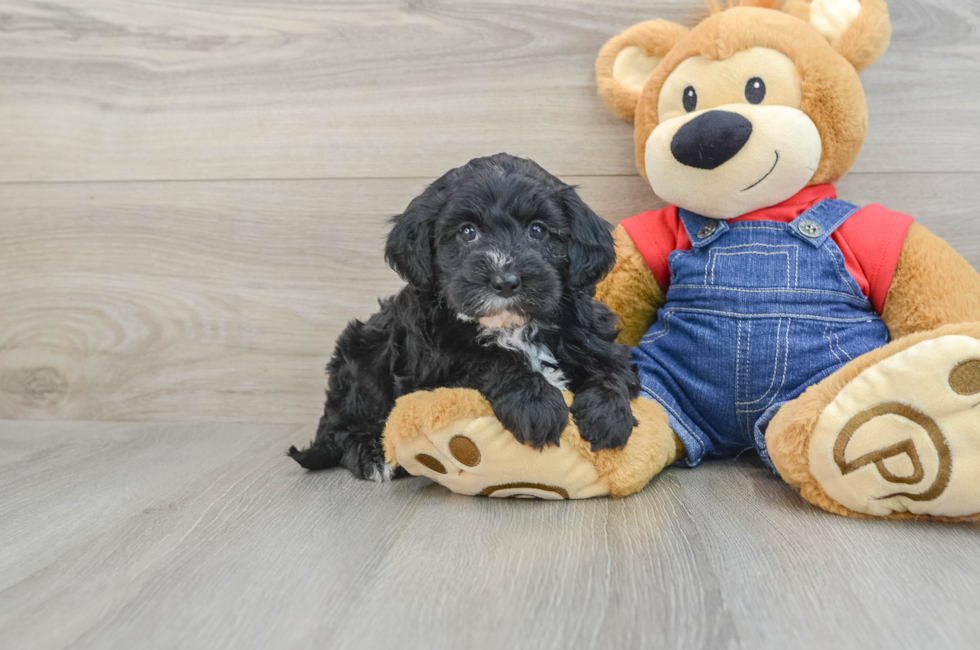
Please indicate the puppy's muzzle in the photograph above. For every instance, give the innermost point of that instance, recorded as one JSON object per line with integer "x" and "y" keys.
{"x": 505, "y": 285}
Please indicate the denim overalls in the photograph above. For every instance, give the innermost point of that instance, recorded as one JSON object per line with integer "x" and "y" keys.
{"x": 756, "y": 312}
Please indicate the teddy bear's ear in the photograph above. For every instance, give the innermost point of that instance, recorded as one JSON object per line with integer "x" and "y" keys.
{"x": 627, "y": 61}
{"x": 859, "y": 30}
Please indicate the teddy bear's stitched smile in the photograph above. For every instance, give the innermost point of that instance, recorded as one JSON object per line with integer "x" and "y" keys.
{"x": 771, "y": 169}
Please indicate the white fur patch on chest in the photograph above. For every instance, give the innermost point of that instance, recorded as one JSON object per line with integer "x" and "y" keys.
{"x": 538, "y": 356}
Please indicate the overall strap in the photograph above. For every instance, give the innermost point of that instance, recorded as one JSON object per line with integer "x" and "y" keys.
{"x": 818, "y": 223}
{"x": 701, "y": 230}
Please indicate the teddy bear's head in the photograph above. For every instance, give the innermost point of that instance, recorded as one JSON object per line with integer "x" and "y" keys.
{"x": 756, "y": 102}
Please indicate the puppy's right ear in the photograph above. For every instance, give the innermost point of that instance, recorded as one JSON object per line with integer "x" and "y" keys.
{"x": 627, "y": 61}
{"x": 409, "y": 250}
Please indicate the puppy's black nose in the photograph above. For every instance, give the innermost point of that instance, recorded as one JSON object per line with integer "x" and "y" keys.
{"x": 710, "y": 140}
{"x": 505, "y": 284}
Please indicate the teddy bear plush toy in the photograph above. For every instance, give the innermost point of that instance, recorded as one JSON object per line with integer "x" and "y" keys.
{"x": 842, "y": 343}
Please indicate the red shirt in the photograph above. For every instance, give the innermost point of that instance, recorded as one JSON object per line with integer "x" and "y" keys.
{"x": 871, "y": 239}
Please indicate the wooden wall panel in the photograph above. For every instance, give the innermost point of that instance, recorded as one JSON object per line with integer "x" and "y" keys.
{"x": 261, "y": 89}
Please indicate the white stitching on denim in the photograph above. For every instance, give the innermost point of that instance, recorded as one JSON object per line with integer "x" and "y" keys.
{"x": 738, "y": 357}
{"x": 775, "y": 366}
{"x": 841, "y": 348}
{"x": 837, "y": 266}
{"x": 830, "y": 343}
{"x": 655, "y": 337}
{"x": 849, "y": 296}
{"x": 840, "y": 221}
{"x": 753, "y": 245}
{"x": 782, "y": 383}
{"x": 714, "y": 251}
{"x": 744, "y": 423}
{"x": 696, "y": 310}
{"x": 714, "y": 260}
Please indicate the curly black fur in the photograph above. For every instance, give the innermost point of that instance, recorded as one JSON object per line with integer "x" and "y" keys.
{"x": 535, "y": 231}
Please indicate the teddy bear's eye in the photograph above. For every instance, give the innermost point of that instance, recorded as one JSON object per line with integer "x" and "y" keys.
{"x": 690, "y": 99}
{"x": 755, "y": 90}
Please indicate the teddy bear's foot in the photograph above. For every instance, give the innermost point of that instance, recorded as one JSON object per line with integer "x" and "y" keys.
{"x": 451, "y": 437}
{"x": 900, "y": 438}
{"x": 480, "y": 457}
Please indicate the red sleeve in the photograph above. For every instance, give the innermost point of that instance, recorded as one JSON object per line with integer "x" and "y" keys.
{"x": 871, "y": 240}
{"x": 657, "y": 234}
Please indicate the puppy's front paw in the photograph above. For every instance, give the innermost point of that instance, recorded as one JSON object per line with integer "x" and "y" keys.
{"x": 605, "y": 420}
{"x": 535, "y": 417}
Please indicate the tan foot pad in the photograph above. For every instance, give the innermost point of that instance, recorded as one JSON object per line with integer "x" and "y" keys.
{"x": 480, "y": 457}
{"x": 904, "y": 435}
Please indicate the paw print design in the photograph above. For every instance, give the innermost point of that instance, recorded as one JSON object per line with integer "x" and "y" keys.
{"x": 479, "y": 457}
{"x": 904, "y": 435}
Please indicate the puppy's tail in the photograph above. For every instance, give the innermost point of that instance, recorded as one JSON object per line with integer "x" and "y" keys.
{"x": 317, "y": 456}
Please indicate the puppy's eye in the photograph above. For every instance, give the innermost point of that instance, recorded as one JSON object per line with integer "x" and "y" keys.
{"x": 537, "y": 230}
{"x": 690, "y": 99}
{"x": 755, "y": 90}
{"x": 468, "y": 232}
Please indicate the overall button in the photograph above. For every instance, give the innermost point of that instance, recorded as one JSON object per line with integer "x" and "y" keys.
{"x": 708, "y": 229}
{"x": 811, "y": 229}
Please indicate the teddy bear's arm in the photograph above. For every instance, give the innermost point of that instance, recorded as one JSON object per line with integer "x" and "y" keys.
{"x": 933, "y": 286}
{"x": 630, "y": 290}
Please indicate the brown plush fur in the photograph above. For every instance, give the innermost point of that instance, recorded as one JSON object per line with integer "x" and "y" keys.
{"x": 797, "y": 8}
{"x": 934, "y": 292}
{"x": 429, "y": 411}
{"x": 655, "y": 37}
{"x": 867, "y": 38}
{"x": 716, "y": 7}
{"x": 652, "y": 447}
{"x": 630, "y": 290}
{"x": 933, "y": 286}
{"x": 832, "y": 93}
{"x": 789, "y": 432}
{"x": 864, "y": 41}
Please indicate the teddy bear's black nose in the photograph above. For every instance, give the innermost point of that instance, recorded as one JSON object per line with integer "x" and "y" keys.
{"x": 711, "y": 139}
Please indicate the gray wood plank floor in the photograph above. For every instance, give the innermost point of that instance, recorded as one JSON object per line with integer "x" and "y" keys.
{"x": 129, "y": 535}
{"x": 192, "y": 204}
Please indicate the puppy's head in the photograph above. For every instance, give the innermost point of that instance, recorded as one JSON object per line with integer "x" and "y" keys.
{"x": 500, "y": 240}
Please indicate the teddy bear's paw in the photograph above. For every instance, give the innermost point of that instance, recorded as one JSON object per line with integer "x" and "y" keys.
{"x": 904, "y": 435}
{"x": 479, "y": 457}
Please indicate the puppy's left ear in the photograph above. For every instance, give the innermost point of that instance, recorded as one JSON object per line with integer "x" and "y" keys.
{"x": 591, "y": 253}
{"x": 409, "y": 250}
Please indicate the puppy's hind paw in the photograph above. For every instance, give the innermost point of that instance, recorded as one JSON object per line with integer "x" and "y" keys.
{"x": 383, "y": 472}
{"x": 366, "y": 461}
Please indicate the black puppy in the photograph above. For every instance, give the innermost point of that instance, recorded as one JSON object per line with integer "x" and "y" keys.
{"x": 501, "y": 260}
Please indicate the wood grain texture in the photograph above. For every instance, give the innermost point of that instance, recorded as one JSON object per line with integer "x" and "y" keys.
{"x": 193, "y": 199}
{"x": 220, "y": 301}
{"x": 262, "y": 89}
{"x": 130, "y": 535}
